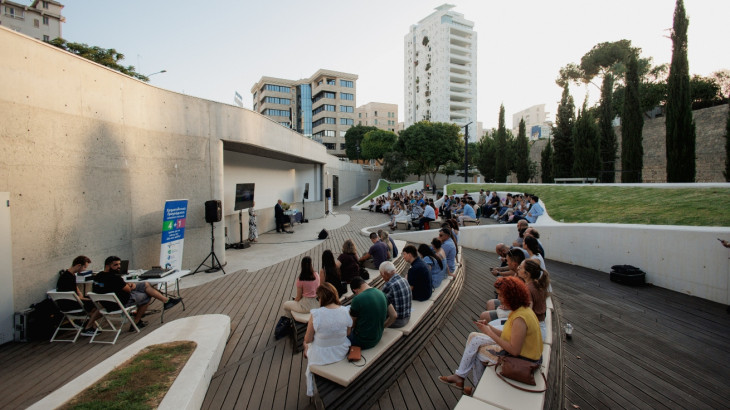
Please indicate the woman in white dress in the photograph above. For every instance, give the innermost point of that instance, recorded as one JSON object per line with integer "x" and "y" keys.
{"x": 326, "y": 339}
{"x": 253, "y": 230}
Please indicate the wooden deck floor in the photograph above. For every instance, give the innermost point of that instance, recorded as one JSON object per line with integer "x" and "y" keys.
{"x": 633, "y": 348}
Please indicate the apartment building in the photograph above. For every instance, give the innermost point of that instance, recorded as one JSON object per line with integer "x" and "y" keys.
{"x": 380, "y": 115}
{"x": 441, "y": 70}
{"x": 321, "y": 107}
{"x": 41, "y": 20}
{"x": 536, "y": 124}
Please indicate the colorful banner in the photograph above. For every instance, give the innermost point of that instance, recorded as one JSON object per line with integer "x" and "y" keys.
{"x": 173, "y": 233}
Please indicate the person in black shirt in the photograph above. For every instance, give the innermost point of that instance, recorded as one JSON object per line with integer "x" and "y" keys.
{"x": 418, "y": 275}
{"x": 140, "y": 294}
{"x": 67, "y": 283}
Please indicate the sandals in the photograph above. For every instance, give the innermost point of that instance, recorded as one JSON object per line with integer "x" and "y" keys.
{"x": 455, "y": 385}
{"x": 468, "y": 391}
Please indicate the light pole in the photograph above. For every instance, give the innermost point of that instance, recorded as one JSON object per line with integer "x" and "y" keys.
{"x": 159, "y": 72}
{"x": 466, "y": 151}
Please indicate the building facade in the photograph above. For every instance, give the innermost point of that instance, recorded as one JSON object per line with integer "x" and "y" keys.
{"x": 380, "y": 115}
{"x": 536, "y": 124}
{"x": 441, "y": 70}
{"x": 41, "y": 20}
{"x": 321, "y": 107}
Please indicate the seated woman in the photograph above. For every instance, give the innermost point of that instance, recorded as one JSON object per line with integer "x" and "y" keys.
{"x": 532, "y": 247}
{"x": 326, "y": 339}
{"x": 538, "y": 283}
{"x": 347, "y": 261}
{"x": 520, "y": 336}
{"x": 330, "y": 273}
{"x": 307, "y": 285}
{"x": 436, "y": 266}
{"x": 494, "y": 311}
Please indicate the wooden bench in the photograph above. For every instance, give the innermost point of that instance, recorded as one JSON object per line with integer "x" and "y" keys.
{"x": 472, "y": 222}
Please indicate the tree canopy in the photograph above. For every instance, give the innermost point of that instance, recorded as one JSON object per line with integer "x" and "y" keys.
{"x": 487, "y": 148}
{"x": 429, "y": 145}
{"x": 632, "y": 125}
{"x": 563, "y": 136}
{"x": 501, "y": 166}
{"x": 376, "y": 143}
{"x": 523, "y": 166}
{"x": 394, "y": 166}
{"x": 586, "y": 150}
{"x": 353, "y": 139}
{"x": 106, "y": 57}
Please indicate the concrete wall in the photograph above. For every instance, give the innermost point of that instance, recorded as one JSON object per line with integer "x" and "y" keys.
{"x": 684, "y": 259}
{"x": 89, "y": 157}
{"x": 6, "y": 271}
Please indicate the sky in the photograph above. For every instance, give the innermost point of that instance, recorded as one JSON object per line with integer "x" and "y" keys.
{"x": 212, "y": 49}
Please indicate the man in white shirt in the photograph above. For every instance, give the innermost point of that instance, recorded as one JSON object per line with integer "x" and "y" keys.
{"x": 428, "y": 215}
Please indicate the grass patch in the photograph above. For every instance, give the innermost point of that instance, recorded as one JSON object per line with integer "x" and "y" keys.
{"x": 140, "y": 383}
{"x": 383, "y": 188}
{"x": 627, "y": 205}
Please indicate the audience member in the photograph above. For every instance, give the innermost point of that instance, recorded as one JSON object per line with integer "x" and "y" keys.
{"x": 369, "y": 310}
{"x": 392, "y": 248}
{"x": 449, "y": 248}
{"x": 399, "y": 295}
{"x": 538, "y": 283}
{"x": 468, "y": 212}
{"x": 436, "y": 266}
{"x": 67, "y": 283}
{"x": 535, "y": 234}
{"x": 418, "y": 275}
{"x": 377, "y": 254}
{"x": 347, "y": 261}
{"x": 521, "y": 228}
{"x": 326, "y": 339}
{"x": 530, "y": 245}
{"x": 429, "y": 215}
{"x": 494, "y": 308}
{"x": 306, "y": 285}
{"x": 329, "y": 273}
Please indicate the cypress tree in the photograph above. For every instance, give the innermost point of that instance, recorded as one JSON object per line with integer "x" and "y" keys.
{"x": 522, "y": 155}
{"x": 546, "y": 164}
{"x": 586, "y": 145}
{"x": 563, "y": 136}
{"x": 500, "y": 165}
{"x": 608, "y": 136}
{"x": 680, "y": 125}
{"x": 632, "y": 124}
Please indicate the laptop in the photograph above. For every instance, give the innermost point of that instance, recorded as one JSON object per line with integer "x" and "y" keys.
{"x": 156, "y": 273}
{"x": 124, "y": 270}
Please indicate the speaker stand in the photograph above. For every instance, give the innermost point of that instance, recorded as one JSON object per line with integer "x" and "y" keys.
{"x": 304, "y": 214}
{"x": 215, "y": 264}
{"x": 241, "y": 244}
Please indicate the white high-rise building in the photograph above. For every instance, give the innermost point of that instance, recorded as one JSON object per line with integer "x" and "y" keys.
{"x": 441, "y": 70}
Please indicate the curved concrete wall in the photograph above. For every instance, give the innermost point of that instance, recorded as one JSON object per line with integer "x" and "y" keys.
{"x": 89, "y": 157}
{"x": 685, "y": 259}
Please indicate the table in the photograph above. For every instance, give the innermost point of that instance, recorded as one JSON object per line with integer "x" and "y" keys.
{"x": 133, "y": 277}
{"x": 294, "y": 216}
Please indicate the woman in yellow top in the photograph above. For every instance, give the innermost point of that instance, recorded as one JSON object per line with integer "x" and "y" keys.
{"x": 520, "y": 336}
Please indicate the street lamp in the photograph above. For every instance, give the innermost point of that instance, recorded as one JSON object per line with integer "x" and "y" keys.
{"x": 466, "y": 151}
{"x": 159, "y": 72}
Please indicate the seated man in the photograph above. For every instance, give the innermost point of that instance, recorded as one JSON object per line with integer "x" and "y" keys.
{"x": 469, "y": 214}
{"x": 399, "y": 296}
{"x": 429, "y": 215}
{"x": 377, "y": 254}
{"x": 280, "y": 218}
{"x": 535, "y": 210}
{"x": 418, "y": 275}
{"x": 370, "y": 311}
{"x": 67, "y": 283}
{"x": 503, "y": 250}
{"x": 493, "y": 206}
{"x": 140, "y": 294}
{"x": 521, "y": 229}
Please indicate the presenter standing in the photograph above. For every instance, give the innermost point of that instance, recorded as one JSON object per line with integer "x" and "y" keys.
{"x": 253, "y": 230}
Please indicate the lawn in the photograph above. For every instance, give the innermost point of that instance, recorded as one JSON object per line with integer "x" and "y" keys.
{"x": 631, "y": 205}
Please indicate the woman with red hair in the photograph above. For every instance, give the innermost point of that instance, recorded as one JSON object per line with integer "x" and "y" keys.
{"x": 520, "y": 336}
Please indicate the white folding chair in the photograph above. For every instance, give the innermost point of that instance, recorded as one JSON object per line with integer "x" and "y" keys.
{"x": 118, "y": 313}
{"x": 73, "y": 311}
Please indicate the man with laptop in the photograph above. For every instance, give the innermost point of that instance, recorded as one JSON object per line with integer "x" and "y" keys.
{"x": 140, "y": 294}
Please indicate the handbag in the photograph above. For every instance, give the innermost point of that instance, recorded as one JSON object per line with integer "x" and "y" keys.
{"x": 364, "y": 273}
{"x": 520, "y": 370}
{"x": 283, "y": 327}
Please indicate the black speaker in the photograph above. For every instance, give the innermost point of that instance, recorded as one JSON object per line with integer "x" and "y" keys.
{"x": 306, "y": 190}
{"x": 323, "y": 234}
{"x": 328, "y": 193}
{"x": 213, "y": 211}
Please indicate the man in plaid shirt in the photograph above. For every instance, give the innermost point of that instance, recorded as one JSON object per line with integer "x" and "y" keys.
{"x": 398, "y": 292}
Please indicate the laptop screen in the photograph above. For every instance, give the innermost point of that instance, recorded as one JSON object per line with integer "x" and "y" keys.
{"x": 125, "y": 268}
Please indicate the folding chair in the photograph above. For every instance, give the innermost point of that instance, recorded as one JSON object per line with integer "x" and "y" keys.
{"x": 118, "y": 313}
{"x": 73, "y": 310}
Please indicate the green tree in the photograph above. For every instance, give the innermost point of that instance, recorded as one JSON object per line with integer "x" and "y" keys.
{"x": 679, "y": 122}
{"x": 376, "y": 143}
{"x": 632, "y": 124}
{"x": 563, "y": 136}
{"x": 546, "y": 164}
{"x": 501, "y": 166}
{"x": 608, "y": 144}
{"x": 353, "y": 140}
{"x": 394, "y": 166}
{"x": 586, "y": 144}
{"x": 429, "y": 145}
{"x": 450, "y": 169}
{"x": 522, "y": 155}
{"x": 487, "y": 148}
{"x": 106, "y": 57}
{"x": 727, "y": 146}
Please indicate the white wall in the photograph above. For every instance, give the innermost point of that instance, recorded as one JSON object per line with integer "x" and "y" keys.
{"x": 6, "y": 271}
{"x": 684, "y": 259}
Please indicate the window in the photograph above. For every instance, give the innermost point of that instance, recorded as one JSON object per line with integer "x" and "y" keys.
{"x": 37, "y": 23}
{"x": 277, "y": 88}
{"x": 277, "y": 100}
{"x": 45, "y": 4}
{"x": 346, "y": 121}
{"x": 278, "y": 113}
{"x": 45, "y": 20}
{"x": 342, "y": 146}
{"x": 331, "y": 81}
{"x": 325, "y": 107}
{"x": 46, "y": 38}
{"x": 286, "y": 124}
{"x": 359, "y": 115}
{"x": 347, "y": 96}
{"x": 325, "y": 133}
{"x": 347, "y": 108}
{"x": 342, "y": 134}
{"x": 346, "y": 83}
{"x": 376, "y": 113}
{"x": 324, "y": 120}
{"x": 375, "y": 122}
{"x": 324, "y": 94}
{"x": 329, "y": 145}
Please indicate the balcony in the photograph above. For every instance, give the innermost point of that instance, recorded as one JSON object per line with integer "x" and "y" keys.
{"x": 15, "y": 14}
{"x": 459, "y": 78}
